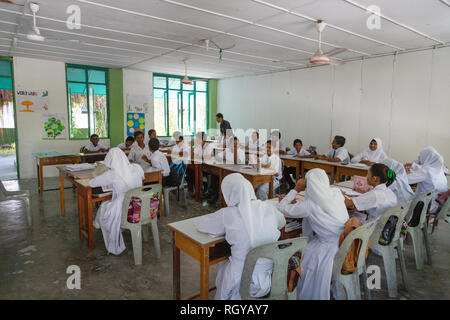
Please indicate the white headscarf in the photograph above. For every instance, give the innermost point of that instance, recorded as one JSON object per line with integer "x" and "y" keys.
{"x": 378, "y": 153}
{"x": 400, "y": 186}
{"x": 260, "y": 219}
{"x": 433, "y": 163}
{"x": 328, "y": 199}
{"x": 117, "y": 160}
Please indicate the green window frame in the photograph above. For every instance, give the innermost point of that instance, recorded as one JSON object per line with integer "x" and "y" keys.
{"x": 85, "y": 81}
{"x": 170, "y": 94}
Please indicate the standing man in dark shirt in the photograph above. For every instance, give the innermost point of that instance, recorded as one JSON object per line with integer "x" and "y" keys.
{"x": 225, "y": 126}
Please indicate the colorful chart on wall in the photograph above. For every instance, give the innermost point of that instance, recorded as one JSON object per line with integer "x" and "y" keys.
{"x": 135, "y": 122}
{"x": 137, "y": 103}
{"x": 32, "y": 100}
{"x": 54, "y": 126}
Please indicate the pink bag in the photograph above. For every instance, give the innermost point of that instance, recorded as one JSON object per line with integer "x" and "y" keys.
{"x": 134, "y": 208}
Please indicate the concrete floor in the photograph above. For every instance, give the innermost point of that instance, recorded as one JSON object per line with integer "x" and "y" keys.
{"x": 33, "y": 260}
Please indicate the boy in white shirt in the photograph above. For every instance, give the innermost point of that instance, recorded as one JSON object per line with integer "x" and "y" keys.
{"x": 139, "y": 150}
{"x": 270, "y": 160}
{"x": 174, "y": 139}
{"x": 229, "y": 154}
{"x": 338, "y": 153}
{"x": 278, "y": 145}
{"x": 94, "y": 146}
{"x": 297, "y": 152}
{"x": 180, "y": 151}
{"x": 158, "y": 160}
{"x": 126, "y": 146}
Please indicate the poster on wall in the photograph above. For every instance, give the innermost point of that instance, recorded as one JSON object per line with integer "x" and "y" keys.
{"x": 32, "y": 100}
{"x": 135, "y": 122}
{"x": 137, "y": 103}
{"x": 54, "y": 126}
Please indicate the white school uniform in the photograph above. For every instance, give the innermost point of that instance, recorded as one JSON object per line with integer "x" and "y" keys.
{"x": 122, "y": 145}
{"x": 159, "y": 161}
{"x": 400, "y": 186}
{"x": 262, "y": 190}
{"x": 375, "y": 202}
{"x": 302, "y": 152}
{"x": 229, "y": 156}
{"x": 246, "y": 223}
{"x": 277, "y": 146}
{"x": 175, "y": 152}
{"x": 340, "y": 153}
{"x": 136, "y": 154}
{"x": 204, "y": 153}
{"x": 90, "y": 147}
{"x": 121, "y": 177}
{"x": 324, "y": 216}
{"x": 373, "y": 156}
{"x": 430, "y": 175}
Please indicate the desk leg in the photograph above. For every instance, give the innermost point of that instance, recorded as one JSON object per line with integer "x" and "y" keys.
{"x": 302, "y": 170}
{"x": 41, "y": 180}
{"x": 338, "y": 175}
{"x": 197, "y": 173}
{"x": 204, "y": 274}
{"x": 90, "y": 224}
{"x": 297, "y": 171}
{"x": 176, "y": 270}
{"x": 80, "y": 214}
{"x": 61, "y": 194}
{"x": 271, "y": 189}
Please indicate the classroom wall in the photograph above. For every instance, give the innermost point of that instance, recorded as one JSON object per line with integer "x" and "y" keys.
{"x": 403, "y": 99}
{"x": 49, "y": 75}
{"x": 141, "y": 83}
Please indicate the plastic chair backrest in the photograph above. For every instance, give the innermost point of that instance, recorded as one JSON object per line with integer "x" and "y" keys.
{"x": 398, "y": 211}
{"x": 145, "y": 193}
{"x": 423, "y": 198}
{"x": 279, "y": 252}
{"x": 445, "y": 210}
{"x": 362, "y": 233}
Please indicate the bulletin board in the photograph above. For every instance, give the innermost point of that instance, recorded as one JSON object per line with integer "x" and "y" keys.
{"x": 135, "y": 122}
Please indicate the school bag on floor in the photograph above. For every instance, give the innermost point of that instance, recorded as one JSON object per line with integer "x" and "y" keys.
{"x": 176, "y": 173}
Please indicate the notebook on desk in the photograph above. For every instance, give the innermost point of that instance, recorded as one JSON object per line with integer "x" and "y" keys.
{"x": 360, "y": 182}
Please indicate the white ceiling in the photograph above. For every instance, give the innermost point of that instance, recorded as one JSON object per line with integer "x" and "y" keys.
{"x": 156, "y": 35}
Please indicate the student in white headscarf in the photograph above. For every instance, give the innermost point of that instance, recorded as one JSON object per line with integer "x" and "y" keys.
{"x": 324, "y": 216}
{"x": 370, "y": 156}
{"x": 400, "y": 186}
{"x": 121, "y": 177}
{"x": 429, "y": 174}
{"x": 246, "y": 223}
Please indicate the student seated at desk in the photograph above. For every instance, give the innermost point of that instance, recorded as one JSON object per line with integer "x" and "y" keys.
{"x": 429, "y": 174}
{"x": 94, "y": 146}
{"x": 278, "y": 146}
{"x": 246, "y": 223}
{"x": 324, "y": 216}
{"x": 180, "y": 151}
{"x": 297, "y": 152}
{"x": 158, "y": 160}
{"x": 270, "y": 160}
{"x": 254, "y": 143}
{"x": 400, "y": 187}
{"x": 138, "y": 150}
{"x": 174, "y": 139}
{"x": 121, "y": 178}
{"x": 370, "y": 156}
{"x": 126, "y": 146}
{"x": 376, "y": 201}
{"x": 338, "y": 153}
{"x": 228, "y": 157}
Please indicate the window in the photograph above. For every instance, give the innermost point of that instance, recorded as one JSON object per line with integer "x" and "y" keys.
{"x": 87, "y": 95}
{"x": 179, "y": 107}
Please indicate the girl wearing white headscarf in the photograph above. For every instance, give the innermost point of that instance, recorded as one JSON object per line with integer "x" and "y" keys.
{"x": 246, "y": 223}
{"x": 374, "y": 154}
{"x": 429, "y": 174}
{"x": 324, "y": 216}
{"x": 400, "y": 186}
{"x": 121, "y": 177}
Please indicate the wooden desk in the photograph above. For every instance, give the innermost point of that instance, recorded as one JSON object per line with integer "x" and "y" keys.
{"x": 84, "y": 195}
{"x": 92, "y": 157}
{"x": 51, "y": 159}
{"x": 349, "y": 170}
{"x": 291, "y": 161}
{"x": 205, "y": 249}
{"x": 328, "y": 167}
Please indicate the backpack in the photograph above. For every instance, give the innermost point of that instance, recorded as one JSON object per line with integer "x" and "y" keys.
{"x": 176, "y": 173}
{"x": 388, "y": 231}
{"x": 351, "y": 260}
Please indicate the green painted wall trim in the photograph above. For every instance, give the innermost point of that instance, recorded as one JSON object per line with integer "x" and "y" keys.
{"x": 116, "y": 121}
{"x": 212, "y": 97}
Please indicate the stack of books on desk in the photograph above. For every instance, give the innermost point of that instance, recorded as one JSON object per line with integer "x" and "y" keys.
{"x": 292, "y": 225}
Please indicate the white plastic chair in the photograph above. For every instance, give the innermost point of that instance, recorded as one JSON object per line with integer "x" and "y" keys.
{"x": 350, "y": 282}
{"x": 17, "y": 195}
{"x": 388, "y": 251}
{"x": 167, "y": 190}
{"x": 419, "y": 233}
{"x": 442, "y": 215}
{"x": 144, "y": 193}
{"x": 279, "y": 252}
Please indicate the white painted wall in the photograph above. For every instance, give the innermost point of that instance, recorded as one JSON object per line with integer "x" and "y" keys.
{"x": 141, "y": 83}
{"x": 404, "y": 100}
{"x": 49, "y": 75}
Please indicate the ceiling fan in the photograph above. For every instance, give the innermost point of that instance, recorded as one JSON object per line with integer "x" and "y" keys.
{"x": 186, "y": 79}
{"x": 35, "y": 33}
{"x": 320, "y": 58}
{"x": 207, "y": 44}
